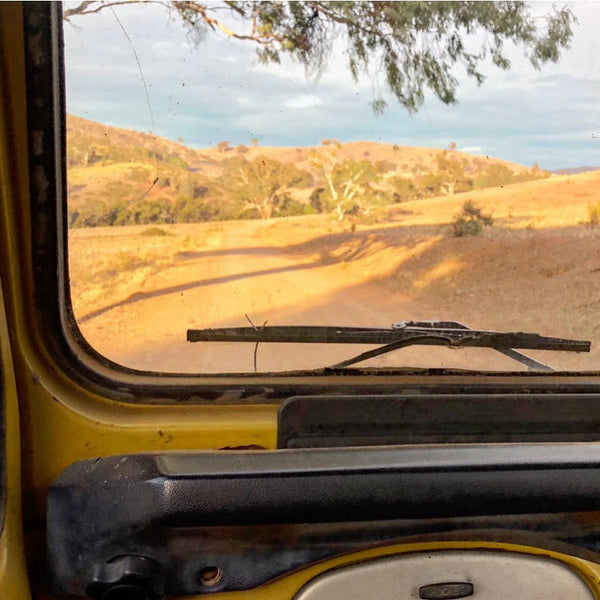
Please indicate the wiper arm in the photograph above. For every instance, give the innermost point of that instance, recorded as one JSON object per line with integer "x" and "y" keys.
{"x": 406, "y": 333}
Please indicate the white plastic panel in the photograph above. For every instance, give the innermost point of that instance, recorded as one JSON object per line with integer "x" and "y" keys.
{"x": 494, "y": 575}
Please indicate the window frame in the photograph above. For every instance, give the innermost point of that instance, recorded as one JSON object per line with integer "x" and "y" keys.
{"x": 72, "y": 353}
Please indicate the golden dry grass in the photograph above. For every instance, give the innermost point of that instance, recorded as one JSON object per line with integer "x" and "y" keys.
{"x": 536, "y": 269}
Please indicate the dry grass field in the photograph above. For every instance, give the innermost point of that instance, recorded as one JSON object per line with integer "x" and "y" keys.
{"x": 135, "y": 291}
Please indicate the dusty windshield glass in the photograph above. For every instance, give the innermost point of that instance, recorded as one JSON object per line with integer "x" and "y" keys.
{"x": 262, "y": 165}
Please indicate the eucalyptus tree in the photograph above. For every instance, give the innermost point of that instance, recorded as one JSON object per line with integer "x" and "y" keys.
{"x": 414, "y": 46}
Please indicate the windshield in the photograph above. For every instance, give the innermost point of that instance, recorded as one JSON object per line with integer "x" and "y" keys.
{"x": 263, "y": 165}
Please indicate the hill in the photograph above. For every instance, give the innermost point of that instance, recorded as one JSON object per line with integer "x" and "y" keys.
{"x": 118, "y": 176}
{"x": 575, "y": 170}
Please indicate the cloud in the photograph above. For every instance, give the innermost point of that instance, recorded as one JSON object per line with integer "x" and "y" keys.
{"x": 303, "y": 101}
{"x": 472, "y": 149}
{"x": 217, "y": 90}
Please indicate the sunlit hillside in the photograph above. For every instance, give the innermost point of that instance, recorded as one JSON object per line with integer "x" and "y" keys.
{"x": 119, "y": 177}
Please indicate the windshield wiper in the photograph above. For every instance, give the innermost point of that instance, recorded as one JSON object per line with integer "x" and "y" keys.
{"x": 405, "y": 333}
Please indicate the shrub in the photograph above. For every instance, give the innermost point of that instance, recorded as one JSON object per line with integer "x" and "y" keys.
{"x": 404, "y": 189}
{"x": 594, "y": 214}
{"x": 291, "y": 208}
{"x": 471, "y": 220}
{"x": 155, "y": 231}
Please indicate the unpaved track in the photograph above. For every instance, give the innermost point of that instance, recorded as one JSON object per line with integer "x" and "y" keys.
{"x": 537, "y": 269}
{"x": 239, "y": 275}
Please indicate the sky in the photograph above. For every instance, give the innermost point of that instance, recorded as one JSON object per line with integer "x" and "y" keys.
{"x": 204, "y": 92}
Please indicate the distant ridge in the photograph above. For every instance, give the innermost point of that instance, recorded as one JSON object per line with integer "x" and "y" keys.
{"x": 112, "y": 144}
{"x": 575, "y": 170}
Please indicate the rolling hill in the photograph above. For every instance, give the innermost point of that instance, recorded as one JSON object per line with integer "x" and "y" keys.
{"x": 111, "y": 169}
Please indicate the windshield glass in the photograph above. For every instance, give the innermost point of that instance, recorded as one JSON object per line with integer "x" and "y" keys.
{"x": 260, "y": 165}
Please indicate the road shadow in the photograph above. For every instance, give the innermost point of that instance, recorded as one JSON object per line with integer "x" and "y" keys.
{"x": 327, "y": 243}
{"x": 173, "y": 289}
{"x": 324, "y": 247}
{"x": 251, "y": 251}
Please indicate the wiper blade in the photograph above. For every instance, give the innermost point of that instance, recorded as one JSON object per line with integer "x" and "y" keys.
{"x": 405, "y": 333}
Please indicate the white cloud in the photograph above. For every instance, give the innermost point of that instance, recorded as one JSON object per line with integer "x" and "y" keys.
{"x": 303, "y": 101}
{"x": 472, "y": 149}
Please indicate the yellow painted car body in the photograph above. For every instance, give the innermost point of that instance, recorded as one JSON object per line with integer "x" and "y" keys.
{"x": 51, "y": 420}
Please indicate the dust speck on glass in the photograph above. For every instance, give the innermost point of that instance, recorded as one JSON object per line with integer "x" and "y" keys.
{"x": 284, "y": 186}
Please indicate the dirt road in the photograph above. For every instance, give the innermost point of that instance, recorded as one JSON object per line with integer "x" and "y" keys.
{"x": 537, "y": 269}
{"x": 237, "y": 272}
